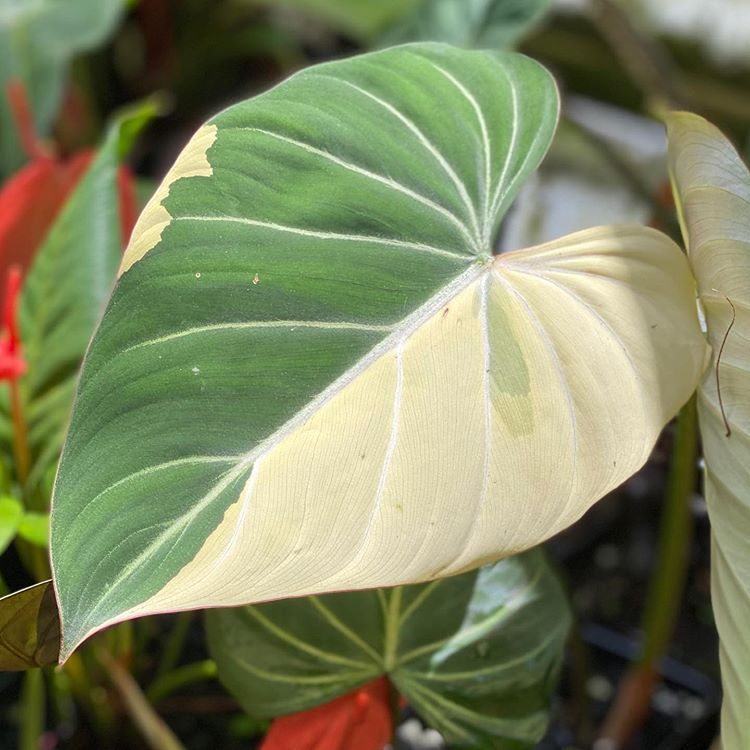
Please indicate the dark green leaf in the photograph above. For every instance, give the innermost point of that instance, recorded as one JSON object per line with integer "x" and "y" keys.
{"x": 476, "y": 655}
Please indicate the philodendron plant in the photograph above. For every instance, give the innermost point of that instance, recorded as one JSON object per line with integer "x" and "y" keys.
{"x": 315, "y": 374}
{"x": 314, "y": 362}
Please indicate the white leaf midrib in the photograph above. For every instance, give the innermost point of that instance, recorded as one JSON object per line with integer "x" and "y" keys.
{"x": 323, "y": 235}
{"x": 406, "y": 329}
{"x": 329, "y": 325}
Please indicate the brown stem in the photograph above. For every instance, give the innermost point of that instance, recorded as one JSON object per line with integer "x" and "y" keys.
{"x": 632, "y": 705}
{"x": 646, "y": 63}
{"x": 24, "y": 121}
{"x": 154, "y": 730}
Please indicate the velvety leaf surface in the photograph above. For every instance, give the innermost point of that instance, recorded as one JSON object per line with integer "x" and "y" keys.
{"x": 712, "y": 186}
{"x": 29, "y": 628}
{"x": 313, "y": 376}
{"x": 37, "y": 39}
{"x": 482, "y": 24}
{"x": 476, "y": 655}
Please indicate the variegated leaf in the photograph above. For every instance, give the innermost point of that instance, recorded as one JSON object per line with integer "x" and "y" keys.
{"x": 315, "y": 375}
{"x": 713, "y": 190}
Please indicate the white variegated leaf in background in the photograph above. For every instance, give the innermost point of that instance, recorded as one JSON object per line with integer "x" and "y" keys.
{"x": 712, "y": 186}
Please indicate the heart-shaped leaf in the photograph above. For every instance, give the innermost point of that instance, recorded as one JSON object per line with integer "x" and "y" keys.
{"x": 712, "y": 186}
{"x": 476, "y": 655}
{"x": 313, "y": 376}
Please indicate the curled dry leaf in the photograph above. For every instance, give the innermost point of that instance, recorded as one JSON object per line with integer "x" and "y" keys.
{"x": 29, "y": 628}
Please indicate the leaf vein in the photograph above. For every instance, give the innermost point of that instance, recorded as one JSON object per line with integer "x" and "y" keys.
{"x": 317, "y": 234}
{"x": 387, "y": 181}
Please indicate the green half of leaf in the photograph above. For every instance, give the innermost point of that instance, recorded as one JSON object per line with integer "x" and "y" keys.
{"x": 313, "y": 375}
{"x": 712, "y": 186}
{"x": 29, "y": 628}
{"x": 476, "y": 655}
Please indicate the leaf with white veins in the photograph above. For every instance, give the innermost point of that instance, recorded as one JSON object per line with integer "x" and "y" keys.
{"x": 476, "y": 655}
{"x": 313, "y": 375}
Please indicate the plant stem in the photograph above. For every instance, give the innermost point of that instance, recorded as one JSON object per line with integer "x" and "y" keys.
{"x": 61, "y": 697}
{"x": 645, "y": 61}
{"x": 153, "y": 729}
{"x": 83, "y": 688}
{"x": 20, "y": 436}
{"x": 395, "y": 706}
{"x": 632, "y": 703}
{"x": 580, "y": 671}
{"x": 173, "y": 647}
{"x": 32, "y": 710}
{"x": 179, "y": 678}
{"x": 668, "y": 581}
{"x": 392, "y": 621}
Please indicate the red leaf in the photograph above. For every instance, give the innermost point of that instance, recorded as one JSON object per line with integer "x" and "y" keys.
{"x": 24, "y": 121}
{"x": 128, "y": 202}
{"x": 360, "y": 720}
{"x": 31, "y": 200}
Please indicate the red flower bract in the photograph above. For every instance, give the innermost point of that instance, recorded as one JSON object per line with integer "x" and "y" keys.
{"x": 12, "y": 364}
{"x": 31, "y": 199}
{"x": 360, "y": 720}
